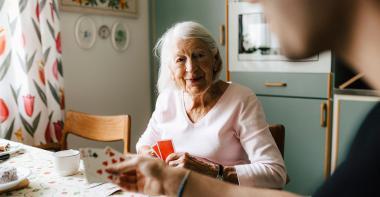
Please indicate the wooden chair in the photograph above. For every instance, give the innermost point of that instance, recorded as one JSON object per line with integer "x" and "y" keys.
{"x": 278, "y": 133}
{"x": 98, "y": 128}
{"x": 50, "y": 146}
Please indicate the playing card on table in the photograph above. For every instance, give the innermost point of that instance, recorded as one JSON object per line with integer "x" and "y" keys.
{"x": 166, "y": 148}
{"x": 95, "y": 162}
{"x": 104, "y": 189}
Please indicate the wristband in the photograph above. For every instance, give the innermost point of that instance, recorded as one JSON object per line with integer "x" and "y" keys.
{"x": 183, "y": 184}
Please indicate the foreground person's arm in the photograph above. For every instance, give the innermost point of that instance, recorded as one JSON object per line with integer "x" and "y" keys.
{"x": 153, "y": 177}
{"x": 200, "y": 185}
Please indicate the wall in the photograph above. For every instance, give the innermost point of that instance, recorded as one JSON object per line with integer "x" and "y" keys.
{"x": 102, "y": 81}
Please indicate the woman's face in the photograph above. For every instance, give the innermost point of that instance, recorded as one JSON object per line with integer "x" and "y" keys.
{"x": 193, "y": 66}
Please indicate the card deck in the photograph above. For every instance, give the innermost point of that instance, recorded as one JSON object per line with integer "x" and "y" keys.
{"x": 165, "y": 147}
{"x": 97, "y": 160}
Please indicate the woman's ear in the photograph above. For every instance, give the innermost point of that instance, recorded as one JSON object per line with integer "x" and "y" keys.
{"x": 218, "y": 61}
{"x": 215, "y": 66}
{"x": 216, "y": 54}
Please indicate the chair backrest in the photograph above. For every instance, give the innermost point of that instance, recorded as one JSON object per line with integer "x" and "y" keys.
{"x": 278, "y": 133}
{"x": 98, "y": 128}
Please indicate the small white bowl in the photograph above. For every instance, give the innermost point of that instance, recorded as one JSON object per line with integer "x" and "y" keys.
{"x": 66, "y": 162}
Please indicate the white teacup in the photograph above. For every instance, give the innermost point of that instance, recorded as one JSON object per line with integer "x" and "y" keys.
{"x": 66, "y": 162}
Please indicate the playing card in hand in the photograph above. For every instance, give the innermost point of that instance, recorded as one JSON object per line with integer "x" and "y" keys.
{"x": 156, "y": 151}
{"x": 166, "y": 148}
{"x": 113, "y": 155}
{"x": 95, "y": 162}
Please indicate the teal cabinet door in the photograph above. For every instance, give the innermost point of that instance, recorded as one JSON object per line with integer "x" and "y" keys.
{"x": 305, "y": 140}
{"x": 349, "y": 113}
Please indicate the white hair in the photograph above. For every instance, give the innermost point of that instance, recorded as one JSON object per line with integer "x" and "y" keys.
{"x": 165, "y": 47}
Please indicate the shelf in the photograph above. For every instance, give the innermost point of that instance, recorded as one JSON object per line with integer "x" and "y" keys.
{"x": 361, "y": 92}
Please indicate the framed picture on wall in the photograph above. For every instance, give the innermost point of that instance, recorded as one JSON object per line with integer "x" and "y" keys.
{"x": 120, "y": 36}
{"x": 105, "y": 7}
{"x": 85, "y": 32}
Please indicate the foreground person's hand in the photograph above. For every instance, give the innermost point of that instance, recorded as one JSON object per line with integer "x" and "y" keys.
{"x": 147, "y": 151}
{"x": 147, "y": 175}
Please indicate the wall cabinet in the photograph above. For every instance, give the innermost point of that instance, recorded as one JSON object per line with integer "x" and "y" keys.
{"x": 252, "y": 46}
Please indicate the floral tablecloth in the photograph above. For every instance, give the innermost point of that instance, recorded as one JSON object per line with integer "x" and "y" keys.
{"x": 44, "y": 181}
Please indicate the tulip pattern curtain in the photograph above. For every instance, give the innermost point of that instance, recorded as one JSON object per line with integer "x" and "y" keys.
{"x": 31, "y": 78}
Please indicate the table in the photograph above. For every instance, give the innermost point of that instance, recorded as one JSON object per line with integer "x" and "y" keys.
{"x": 44, "y": 181}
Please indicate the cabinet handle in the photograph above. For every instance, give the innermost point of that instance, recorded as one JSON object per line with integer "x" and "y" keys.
{"x": 323, "y": 114}
{"x": 222, "y": 35}
{"x": 275, "y": 84}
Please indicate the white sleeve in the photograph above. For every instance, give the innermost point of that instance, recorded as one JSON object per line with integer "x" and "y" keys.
{"x": 151, "y": 134}
{"x": 267, "y": 168}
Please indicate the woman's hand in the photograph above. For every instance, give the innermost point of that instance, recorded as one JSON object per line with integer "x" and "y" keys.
{"x": 146, "y": 175}
{"x": 185, "y": 160}
{"x": 146, "y": 151}
{"x": 203, "y": 166}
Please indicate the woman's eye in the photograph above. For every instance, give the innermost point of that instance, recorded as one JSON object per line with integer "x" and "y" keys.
{"x": 199, "y": 55}
{"x": 179, "y": 60}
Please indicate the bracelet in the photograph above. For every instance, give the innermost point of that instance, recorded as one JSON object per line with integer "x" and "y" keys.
{"x": 220, "y": 174}
{"x": 183, "y": 184}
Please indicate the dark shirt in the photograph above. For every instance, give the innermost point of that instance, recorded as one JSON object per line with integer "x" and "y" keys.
{"x": 359, "y": 174}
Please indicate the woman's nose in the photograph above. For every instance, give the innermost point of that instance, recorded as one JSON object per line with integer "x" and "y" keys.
{"x": 190, "y": 66}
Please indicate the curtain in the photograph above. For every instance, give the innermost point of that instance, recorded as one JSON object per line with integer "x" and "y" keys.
{"x": 31, "y": 78}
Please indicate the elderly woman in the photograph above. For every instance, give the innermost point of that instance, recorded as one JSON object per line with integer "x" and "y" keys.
{"x": 217, "y": 128}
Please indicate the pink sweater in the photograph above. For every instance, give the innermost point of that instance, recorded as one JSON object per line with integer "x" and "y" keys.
{"x": 233, "y": 133}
